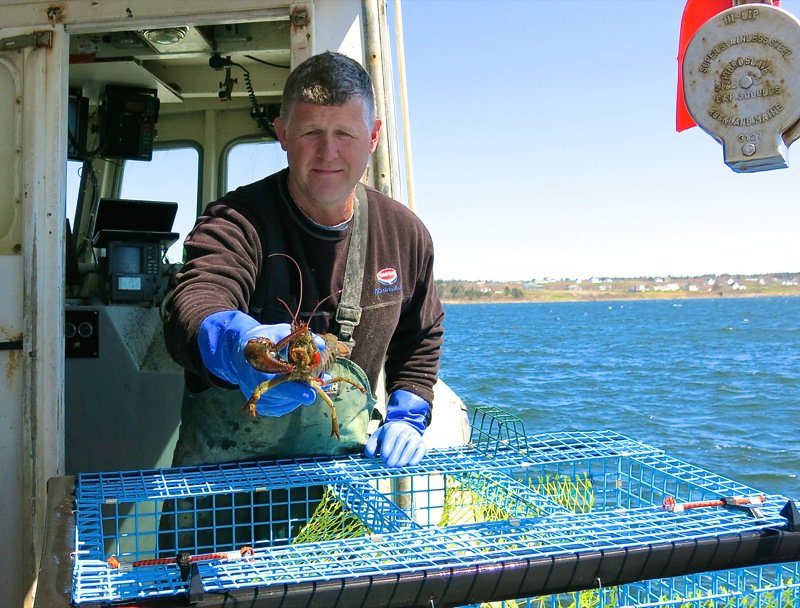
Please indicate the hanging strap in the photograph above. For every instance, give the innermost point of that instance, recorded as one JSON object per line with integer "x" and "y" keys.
{"x": 348, "y": 315}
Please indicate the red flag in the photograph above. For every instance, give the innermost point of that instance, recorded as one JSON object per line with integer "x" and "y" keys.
{"x": 695, "y": 14}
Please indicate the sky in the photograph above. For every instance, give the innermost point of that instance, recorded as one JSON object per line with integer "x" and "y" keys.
{"x": 544, "y": 145}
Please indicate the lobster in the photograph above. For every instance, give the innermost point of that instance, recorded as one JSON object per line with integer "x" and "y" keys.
{"x": 303, "y": 361}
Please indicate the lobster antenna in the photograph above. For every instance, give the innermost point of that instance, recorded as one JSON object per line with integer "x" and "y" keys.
{"x": 328, "y": 297}
{"x": 286, "y": 306}
{"x": 300, "y": 276}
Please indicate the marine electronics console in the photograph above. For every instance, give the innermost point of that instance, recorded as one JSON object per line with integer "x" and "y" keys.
{"x": 134, "y": 235}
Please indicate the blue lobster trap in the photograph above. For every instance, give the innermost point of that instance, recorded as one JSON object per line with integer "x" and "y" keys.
{"x": 556, "y": 519}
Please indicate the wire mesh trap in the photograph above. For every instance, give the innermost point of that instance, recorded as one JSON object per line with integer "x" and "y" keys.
{"x": 562, "y": 519}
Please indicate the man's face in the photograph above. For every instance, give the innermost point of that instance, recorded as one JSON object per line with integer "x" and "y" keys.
{"x": 328, "y": 148}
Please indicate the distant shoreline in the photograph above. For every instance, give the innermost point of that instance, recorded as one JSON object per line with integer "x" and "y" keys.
{"x": 558, "y": 296}
{"x": 620, "y": 289}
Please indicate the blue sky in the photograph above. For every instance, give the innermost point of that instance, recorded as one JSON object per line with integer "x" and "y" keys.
{"x": 544, "y": 145}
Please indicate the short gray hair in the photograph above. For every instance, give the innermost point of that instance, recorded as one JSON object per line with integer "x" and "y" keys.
{"x": 328, "y": 79}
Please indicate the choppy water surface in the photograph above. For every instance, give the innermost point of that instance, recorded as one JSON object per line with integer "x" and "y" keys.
{"x": 715, "y": 382}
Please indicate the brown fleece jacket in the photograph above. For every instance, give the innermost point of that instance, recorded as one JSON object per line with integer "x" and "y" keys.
{"x": 227, "y": 267}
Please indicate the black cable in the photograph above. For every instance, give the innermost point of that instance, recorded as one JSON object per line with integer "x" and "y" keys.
{"x": 255, "y": 110}
{"x": 272, "y": 65}
{"x": 93, "y": 205}
{"x": 217, "y": 62}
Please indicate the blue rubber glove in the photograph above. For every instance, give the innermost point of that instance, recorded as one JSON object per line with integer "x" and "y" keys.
{"x": 222, "y": 337}
{"x": 399, "y": 440}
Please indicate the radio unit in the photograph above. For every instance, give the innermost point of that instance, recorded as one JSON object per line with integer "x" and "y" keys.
{"x": 134, "y": 234}
{"x": 134, "y": 271}
{"x": 128, "y": 119}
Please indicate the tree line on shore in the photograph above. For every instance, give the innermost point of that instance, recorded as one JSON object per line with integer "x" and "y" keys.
{"x": 642, "y": 287}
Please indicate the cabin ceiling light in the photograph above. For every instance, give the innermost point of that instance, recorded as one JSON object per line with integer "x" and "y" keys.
{"x": 165, "y": 36}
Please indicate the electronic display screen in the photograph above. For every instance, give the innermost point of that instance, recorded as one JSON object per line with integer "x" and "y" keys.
{"x": 127, "y": 259}
{"x": 132, "y": 105}
{"x": 133, "y": 271}
{"x": 129, "y": 283}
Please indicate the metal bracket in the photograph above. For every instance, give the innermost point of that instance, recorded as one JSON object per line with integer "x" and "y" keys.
{"x": 36, "y": 40}
{"x": 348, "y": 314}
{"x": 12, "y": 345}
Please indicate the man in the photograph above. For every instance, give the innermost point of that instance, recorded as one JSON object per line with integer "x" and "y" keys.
{"x": 232, "y": 288}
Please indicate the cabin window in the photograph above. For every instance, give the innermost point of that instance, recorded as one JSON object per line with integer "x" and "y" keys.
{"x": 74, "y": 169}
{"x": 249, "y": 162}
{"x": 172, "y": 175}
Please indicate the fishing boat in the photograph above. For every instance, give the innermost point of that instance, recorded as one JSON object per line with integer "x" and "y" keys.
{"x": 100, "y": 101}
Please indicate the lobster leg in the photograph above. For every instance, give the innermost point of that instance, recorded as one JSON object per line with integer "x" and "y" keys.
{"x": 329, "y": 403}
{"x": 262, "y": 388}
{"x": 327, "y": 399}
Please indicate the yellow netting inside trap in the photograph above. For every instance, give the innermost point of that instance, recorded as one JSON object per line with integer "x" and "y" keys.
{"x": 477, "y": 498}
{"x": 331, "y": 521}
{"x": 472, "y": 499}
{"x": 575, "y": 494}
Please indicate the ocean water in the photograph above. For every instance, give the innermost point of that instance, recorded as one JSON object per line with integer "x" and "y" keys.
{"x": 714, "y": 382}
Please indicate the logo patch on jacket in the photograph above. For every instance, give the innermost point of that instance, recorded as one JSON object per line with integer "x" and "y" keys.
{"x": 387, "y": 281}
{"x": 387, "y": 276}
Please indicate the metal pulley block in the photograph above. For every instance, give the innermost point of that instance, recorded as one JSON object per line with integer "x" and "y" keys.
{"x": 741, "y": 78}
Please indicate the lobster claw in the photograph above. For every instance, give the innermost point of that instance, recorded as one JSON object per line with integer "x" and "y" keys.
{"x": 262, "y": 354}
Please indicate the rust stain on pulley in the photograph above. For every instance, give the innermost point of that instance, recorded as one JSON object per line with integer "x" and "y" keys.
{"x": 301, "y": 21}
{"x": 55, "y": 13}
